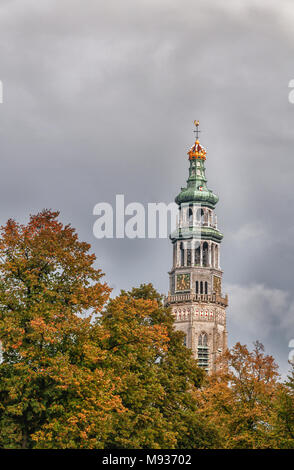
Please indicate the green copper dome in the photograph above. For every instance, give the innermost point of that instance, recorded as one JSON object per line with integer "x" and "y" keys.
{"x": 196, "y": 191}
{"x": 204, "y": 233}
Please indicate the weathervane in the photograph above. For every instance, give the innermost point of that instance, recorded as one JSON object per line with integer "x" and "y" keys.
{"x": 197, "y": 151}
{"x": 197, "y": 129}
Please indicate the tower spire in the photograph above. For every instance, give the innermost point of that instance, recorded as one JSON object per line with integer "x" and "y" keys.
{"x": 197, "y": 191}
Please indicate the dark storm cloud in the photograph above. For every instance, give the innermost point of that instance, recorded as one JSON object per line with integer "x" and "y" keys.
{"x": 99, "y": 100}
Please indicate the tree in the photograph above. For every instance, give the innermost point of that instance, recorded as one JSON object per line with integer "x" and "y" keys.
{"x": 53, "y": 390}
{"x": 238, "y": 399}
{"x": 158, "y": 375}
{"x": 283, "y": 416}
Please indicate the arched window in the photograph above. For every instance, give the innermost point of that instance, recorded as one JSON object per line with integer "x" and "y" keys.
{"x": 201, "y": 287}
{"x": 205, "y": 254}
{"x": 212, "y": 254}
{"x": 179, "y": 217}
{"x": 203, "y": 339}
{"x": 182, "y": 254}
{"x": 189, "y": 254}
{"x": 216, "y": 256}
{"x": 190, "y": 216}
{"x": 197, "y": 287}
{"x": 205, "y": 287}
{"x": 200, "y": 216}
{"x": 172, "y": 285}
{"x": 197, "y": 256}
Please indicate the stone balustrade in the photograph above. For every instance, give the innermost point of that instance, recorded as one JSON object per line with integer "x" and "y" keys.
{"x": 200, "y": 298}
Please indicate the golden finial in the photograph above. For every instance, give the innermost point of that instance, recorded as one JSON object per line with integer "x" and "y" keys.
{"x": 197, "y": 151}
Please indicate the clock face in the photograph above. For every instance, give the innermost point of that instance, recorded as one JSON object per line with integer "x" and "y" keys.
{"x": 183, "y": 282}
{"x": 217, "y": 285}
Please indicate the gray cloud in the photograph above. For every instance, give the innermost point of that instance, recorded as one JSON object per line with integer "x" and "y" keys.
{"x": 99, "y": 99}
{"x": 264, "y": 313}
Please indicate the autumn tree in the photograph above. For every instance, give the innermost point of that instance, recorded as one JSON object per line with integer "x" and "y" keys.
{"x": 53, "y": 391}
{"x": 239, "y": 398}
{"x": 158, "y": 375}
{"x": 283, "y": 414}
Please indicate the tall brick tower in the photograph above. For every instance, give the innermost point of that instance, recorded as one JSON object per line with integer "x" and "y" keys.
{"x": 195, "y": 294}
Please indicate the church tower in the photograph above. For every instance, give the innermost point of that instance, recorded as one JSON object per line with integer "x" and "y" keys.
{"x": 195, "y": 295}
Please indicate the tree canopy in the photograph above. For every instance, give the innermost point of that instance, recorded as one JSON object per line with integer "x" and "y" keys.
{"x": 82, "y": 370}
{"x": 53, "y": 392}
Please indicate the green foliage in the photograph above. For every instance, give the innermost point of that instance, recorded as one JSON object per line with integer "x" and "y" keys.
{"x": 158, "y": 373}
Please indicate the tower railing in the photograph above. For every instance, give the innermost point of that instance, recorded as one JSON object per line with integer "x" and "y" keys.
{"x": 200, "y": 298}
{"x": 187, "y": 224}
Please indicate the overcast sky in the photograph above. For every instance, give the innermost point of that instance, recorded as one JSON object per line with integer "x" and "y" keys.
{"x": 100, "y": 99}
